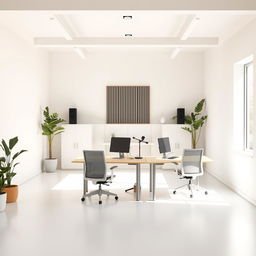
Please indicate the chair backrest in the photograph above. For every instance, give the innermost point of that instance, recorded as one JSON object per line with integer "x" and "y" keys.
{"x": 192, "y": 162}
{"x": 95, "y": 165}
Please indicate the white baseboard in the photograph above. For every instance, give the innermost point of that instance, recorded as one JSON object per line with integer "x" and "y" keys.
{"x": 233, "y": 188}
{"x": 30, "y": 177}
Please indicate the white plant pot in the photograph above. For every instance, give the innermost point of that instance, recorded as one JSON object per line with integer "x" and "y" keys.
{"x": 162, "y": 120}
{"x": 50, "y": 165}
{"x": 2, "y": 201}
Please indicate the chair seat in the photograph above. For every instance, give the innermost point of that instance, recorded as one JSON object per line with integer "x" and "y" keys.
{"x": 104, "y": 181}
{"x": 187, "y": 177}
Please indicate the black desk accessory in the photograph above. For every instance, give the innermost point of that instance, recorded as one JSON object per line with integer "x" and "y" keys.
{"x": 140, "y": 140}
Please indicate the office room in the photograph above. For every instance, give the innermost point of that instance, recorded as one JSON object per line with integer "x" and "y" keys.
{"x": 127, "y": 129}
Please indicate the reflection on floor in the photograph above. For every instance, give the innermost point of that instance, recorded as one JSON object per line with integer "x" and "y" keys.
{"x": 49, "y": 219}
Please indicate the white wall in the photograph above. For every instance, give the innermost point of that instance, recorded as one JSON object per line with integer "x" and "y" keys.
{"x": 24, "y": 87}
{"x": 231, "y": 166}
{"x": 81, "y": 83}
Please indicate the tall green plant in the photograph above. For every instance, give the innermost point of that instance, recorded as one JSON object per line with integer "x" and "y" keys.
{"x": 51, "y": 128}
{"x": 8, "y": 161}
{"x": 196, "y": 121}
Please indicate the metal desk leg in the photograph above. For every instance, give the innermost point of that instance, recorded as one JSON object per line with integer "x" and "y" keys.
{"x": 151, "y": 178}
{"x": 138, "y": 188}
{"x": 85, "y": 183}
{"x": 153, "y": 181}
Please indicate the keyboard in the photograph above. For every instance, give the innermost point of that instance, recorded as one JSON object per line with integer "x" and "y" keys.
{"x": 172, "y": 157}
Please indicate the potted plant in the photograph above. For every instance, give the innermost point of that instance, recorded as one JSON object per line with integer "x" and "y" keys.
{"x": 2, "y": 193}
{"x": 195, "y": 120}
{"x": 51, "y": 128}
{"x": 7, "y": 167}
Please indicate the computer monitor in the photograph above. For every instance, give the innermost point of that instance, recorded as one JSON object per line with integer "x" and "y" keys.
{"x": 164, "y": 146}
{"x": 120, "y": 145}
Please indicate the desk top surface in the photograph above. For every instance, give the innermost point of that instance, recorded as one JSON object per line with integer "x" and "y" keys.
{"x": 145, "y": 160}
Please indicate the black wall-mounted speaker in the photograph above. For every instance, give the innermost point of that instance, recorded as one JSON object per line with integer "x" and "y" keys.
{"x": 73, "y": 116}
{"x": 180, "y": 115}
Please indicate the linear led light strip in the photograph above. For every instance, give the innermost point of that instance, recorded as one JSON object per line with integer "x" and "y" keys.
{"x": 175, "y": 52}
{"x": 68, "y": 33}
{"x": 189, "y": 26}
{"x": 80, "y": 52}
{"x": 186, "y": 31}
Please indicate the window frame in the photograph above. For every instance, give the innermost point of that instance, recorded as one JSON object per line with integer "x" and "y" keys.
{"x": 246, "y": 111}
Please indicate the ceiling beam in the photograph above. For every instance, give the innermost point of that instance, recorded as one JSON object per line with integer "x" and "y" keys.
{"x": 126, "y": 42}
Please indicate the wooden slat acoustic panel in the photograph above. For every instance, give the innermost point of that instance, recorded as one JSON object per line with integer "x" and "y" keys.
{"x": 128, "y": 104}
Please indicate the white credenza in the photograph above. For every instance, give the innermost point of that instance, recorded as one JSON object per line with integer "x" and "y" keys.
{"x": 78, "y": 137}
{"x": 74, "y": 140}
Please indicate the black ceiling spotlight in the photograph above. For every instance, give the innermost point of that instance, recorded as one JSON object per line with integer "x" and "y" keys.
{"x": 127, "y": 17}
{"x": 128, "y": 35}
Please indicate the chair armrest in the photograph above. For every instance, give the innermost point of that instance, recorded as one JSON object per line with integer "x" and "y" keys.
{"x": 179, "y": 172}
{"x": 112, "y": 171}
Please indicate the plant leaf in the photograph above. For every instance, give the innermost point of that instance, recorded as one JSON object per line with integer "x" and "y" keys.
{"x": 188, "y": 120}
{"x": 18, "y": 153}
{"x": 193, "y": 117}
{"x": 6, "y": 148}
{"x": 186, "y": 129}
{"x": 199, "y": 106}
{"x": 13, "y": 142}
{"x": 198, "y": 123}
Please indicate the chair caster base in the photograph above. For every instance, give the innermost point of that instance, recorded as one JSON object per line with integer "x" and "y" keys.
{"x": 191, "y": 196}
{"x": 174, "y": 192}
{"x": 206, "y": 192}
{"x": 82, "y": 199}
{"x": 116, "y": 197}
{"x": 100, "y": 202}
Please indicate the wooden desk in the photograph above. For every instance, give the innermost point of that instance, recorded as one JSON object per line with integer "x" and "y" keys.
{"x": 152, "y": 161}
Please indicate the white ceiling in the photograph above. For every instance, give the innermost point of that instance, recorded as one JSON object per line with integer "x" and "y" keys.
{"x": 34, "y": 24}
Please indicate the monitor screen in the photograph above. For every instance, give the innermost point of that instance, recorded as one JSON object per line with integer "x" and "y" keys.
{"x": 120, "y": 144}
{"x": 164, "y": 145}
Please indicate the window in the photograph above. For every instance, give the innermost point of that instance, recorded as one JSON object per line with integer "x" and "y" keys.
{"x": 248, "y": 106}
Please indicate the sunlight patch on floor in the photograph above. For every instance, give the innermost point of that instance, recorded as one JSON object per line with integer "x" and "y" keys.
{"x": 121, "y": 181}
{"x": 124, "y": 180}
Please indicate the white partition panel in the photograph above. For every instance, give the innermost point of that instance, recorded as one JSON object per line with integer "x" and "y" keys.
{"x": 179, "y": 140}
{"x": 78, "y": 137}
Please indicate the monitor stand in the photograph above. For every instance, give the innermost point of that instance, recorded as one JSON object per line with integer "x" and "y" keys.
{"x": 164, "y": 155}
{"x": 121, "y": 155}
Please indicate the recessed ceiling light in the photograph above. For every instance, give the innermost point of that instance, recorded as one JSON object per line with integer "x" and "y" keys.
{"x": 128, "y": 35}
{"x": 127, "y": 17}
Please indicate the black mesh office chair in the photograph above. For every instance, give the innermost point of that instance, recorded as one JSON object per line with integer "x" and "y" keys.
{"x": 96, "y": 171}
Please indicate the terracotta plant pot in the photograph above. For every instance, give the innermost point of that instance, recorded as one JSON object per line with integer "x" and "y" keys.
{"x": 12, "y": 193}
{"x": 2, "y": 201}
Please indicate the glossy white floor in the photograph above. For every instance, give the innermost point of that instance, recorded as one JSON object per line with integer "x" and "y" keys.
{"x": 49, "y": 219}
